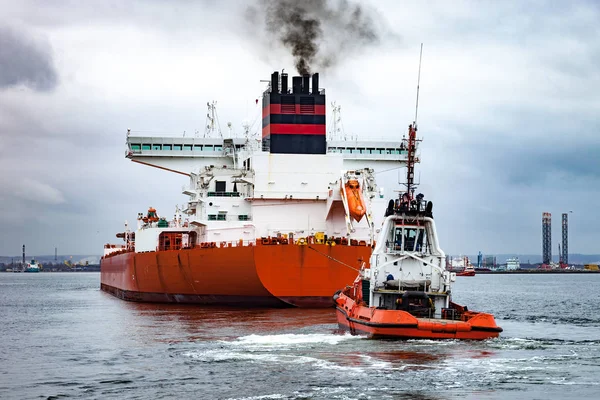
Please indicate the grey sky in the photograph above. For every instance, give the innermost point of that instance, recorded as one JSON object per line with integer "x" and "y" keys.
{"x": 509, "y": 102}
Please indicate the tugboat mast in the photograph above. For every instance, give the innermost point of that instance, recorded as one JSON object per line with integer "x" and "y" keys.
{"x": 412, "y": 140}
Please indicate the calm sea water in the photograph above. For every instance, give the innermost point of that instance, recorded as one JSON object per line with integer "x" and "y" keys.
{"x": 61, "y": 337}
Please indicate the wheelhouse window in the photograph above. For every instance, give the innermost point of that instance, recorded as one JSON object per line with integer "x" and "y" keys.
{"x": 146, "y": 146}
{"x": 408, "y": 238}
{"x": 187, "y": 147}
{"x": 176, "y": 147}
{"x": 156, "y": 147}
{"x": 167, "y": 147}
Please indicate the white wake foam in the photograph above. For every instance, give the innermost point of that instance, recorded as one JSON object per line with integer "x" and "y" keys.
{"x": 290, "y": 340}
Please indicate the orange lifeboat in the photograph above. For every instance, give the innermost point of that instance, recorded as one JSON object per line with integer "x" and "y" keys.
{"x": 152, "y": 216}
{"x": 356, "y": 202}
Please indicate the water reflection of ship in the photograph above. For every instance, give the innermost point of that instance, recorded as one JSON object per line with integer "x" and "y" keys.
{"x": 183, "y": 323}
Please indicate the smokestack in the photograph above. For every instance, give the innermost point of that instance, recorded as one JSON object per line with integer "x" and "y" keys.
{"x": 284, "y": 83}
{"x": 294, "y": 123}
{"x": 315, "y": 83}
{"x": 297, "y": 84}
{"x": 23, "y": 254}
{"x": 305, "y": 83}
{"x": 275, "y": 82}
{"x": 55, "y": 253}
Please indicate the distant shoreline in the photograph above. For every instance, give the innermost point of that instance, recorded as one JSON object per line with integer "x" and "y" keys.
{"x": 539, "y": 271}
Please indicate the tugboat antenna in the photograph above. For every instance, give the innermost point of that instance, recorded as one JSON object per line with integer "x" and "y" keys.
{"x": 418, "y": 83}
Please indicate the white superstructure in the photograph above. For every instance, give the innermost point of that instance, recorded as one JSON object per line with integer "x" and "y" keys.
{"x": 238, "y": 192}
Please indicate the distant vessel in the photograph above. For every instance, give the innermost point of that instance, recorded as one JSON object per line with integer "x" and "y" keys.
{"x": 468, "y": 271}
{"x": 406, "y": 291}
{"x": 33, "y": 266}
{"x": 462, "y": 266}
{"x": 513, "y": 264}
{"x": 281, "y": 221}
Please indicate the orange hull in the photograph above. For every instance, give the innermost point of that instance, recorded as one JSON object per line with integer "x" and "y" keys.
{"x": 356, "y": 202}
{"x": 262, "y": 275}
{"x": 399, "y": 324}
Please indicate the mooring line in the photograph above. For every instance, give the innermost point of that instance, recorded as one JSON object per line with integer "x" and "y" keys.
{"x": 333, "y": 259}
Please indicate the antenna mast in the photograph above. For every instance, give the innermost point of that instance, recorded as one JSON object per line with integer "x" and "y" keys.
{"x": 412, "y": 141}
{"x": 418, "y": 83}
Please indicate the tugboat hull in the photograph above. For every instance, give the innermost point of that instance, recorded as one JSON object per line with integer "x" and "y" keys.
{"x": 378, "y": 323}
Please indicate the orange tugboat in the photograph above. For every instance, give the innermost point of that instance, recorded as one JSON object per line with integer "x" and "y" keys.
{"x": 463, "y": 267}
{"x": 406, "y": 290}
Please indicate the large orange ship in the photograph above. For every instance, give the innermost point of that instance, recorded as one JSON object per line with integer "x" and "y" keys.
{"x": 285, "y": 219}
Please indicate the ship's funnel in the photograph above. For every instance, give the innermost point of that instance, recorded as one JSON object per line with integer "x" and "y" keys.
{"x": 294, "y": 123}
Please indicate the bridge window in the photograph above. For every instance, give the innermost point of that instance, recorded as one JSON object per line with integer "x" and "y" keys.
{"x": 208, "y": 147}
{"x": 220, "y": 186}
{"x": 212, "y": 217}
{"x": 187, "y": 147}
{"x": 146, "y": 146}
{"x": 167, "y": 147}
{"x": 218, "y": 148}
{"x": 176, "y": 147}
{"x": 197, "y": 147}
{"x": 156, "y": 147}
{"x": 136, "y": 147}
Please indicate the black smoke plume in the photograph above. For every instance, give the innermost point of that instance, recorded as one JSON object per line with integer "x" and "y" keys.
{"x": 317, "y": 32}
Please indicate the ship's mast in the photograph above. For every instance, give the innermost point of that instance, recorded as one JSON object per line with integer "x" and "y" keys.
{"x": 212, "y": 121}
{"x": 412, "y": 140}
{"x": 410, "y": 162}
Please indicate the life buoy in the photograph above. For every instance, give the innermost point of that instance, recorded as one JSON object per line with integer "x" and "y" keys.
{"x": 223, "y": 244}
{"x": 301, "y": 242}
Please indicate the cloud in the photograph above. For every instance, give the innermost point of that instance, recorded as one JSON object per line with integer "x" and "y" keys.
{"x": 38, "y": 192}
{"x": 508, "y": 109}
{"x": 25, "y": 60}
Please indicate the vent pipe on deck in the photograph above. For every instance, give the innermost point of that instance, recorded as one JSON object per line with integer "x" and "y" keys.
{"x": 275, "y": 82}
{"x": 297, "y": 84}
{"x": 284, "y": 83}
{"x": 315, "y": 83}
{"x": 305, "y": 83}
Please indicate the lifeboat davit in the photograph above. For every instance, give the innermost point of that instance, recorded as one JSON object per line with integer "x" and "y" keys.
{"x": 356, "y": 202}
